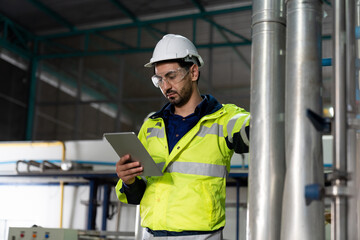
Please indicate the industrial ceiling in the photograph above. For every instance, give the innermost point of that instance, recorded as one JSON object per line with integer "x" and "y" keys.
{"x": 89, "y": 57}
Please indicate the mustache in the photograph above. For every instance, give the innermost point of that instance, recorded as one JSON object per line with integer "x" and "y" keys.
{"x": 170, "y": 91}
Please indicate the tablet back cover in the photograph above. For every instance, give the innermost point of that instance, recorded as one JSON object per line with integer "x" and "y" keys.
{"x": 128, "y": 143}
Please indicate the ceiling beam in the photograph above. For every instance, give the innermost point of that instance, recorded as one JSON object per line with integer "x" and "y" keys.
{"x": 133, "y": 50}
{"x": 124, "y": 9}
{"x": 130, "y": 14}
{"x": 113, "y": 40}
{"x": 199, "y": 5}
{"x": 56, "y": 16}
{"x": 147, "y": 22}
{"x": 220, "y": 27}
{"x": 221, "y": 30}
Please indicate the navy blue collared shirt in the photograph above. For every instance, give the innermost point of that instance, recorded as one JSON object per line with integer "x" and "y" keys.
{"x": 177, "y": 126}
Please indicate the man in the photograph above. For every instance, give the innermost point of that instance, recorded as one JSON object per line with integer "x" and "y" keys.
{"x": 193, "y": 138}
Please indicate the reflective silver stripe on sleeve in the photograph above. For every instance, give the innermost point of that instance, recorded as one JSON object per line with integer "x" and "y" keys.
{"x": 214, "y": 129}
{"x": 243, "y": 132}
{"x": 231, "y": 124}
{"x": 156, "y": 132}
{"x": 161, "y": 165}
{"x": 203, "y": 169}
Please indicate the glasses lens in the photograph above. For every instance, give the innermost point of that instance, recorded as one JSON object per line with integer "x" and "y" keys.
{"x": 156, "y": 80}
{"x": 172, "y": 77}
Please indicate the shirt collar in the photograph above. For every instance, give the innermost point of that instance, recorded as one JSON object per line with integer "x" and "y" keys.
{"x": 200, "y": 109}
{"x": 209, "y": 106}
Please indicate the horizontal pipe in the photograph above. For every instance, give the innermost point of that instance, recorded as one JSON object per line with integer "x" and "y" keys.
{"x": 75, "y": 161}
{"x": 89, "y": 174}
{"x": 357, "y": 32}
{"x": 325, "y": 62}
{"x": 68, "y": 183}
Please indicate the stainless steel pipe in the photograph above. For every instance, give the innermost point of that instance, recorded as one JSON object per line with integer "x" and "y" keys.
{"x": 357, "y": 171}
{"x": 339, "y": 203}
{"x": 304, "y": 161}
{"x": 357, "y": 46}
{"x": 358, "y": 183}
{"x": 352, "y": 209}
{"x": 267, "y": 153}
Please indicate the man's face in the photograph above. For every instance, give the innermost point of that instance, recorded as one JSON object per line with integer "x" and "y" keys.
{"x": 177, "y": 93}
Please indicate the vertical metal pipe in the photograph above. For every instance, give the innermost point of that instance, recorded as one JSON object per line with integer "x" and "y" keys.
{"x": 350, "y": 57}
{"x": 357, "y": 19}
{"x": 106, "y": 205}
{"x": 120, "y": 95}
{"x": 78, "y": 107}
{"x": 38, "y": 93}
{"x": 267, "y": 154}
{"x": 357, "y": 171}
{"x": 91, "y": 221}
{"x": 358, "y": 184}
{"x": 352, "y": 209}
{"x": 304, "y": 162}
{"x": 32, "y": 94}
{"x": 237, "y": 209}
{"x": 339, "y": 44}
{"x": 138, "y": 229}
{"x": 338, "y": 206}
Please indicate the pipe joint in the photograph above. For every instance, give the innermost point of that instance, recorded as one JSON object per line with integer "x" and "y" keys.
{"x": 337, "y": 191}
{"x": 338, "y": 176}
{"x": 316, "y": 192}
{"x": 269, "y": 11}
{"x": 268, "y": 16}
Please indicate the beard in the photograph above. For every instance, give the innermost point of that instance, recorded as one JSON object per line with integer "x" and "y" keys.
{"x": 181, "y": 97}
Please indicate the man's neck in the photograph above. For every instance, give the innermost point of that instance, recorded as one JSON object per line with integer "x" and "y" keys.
{"x": 189, "y": 107}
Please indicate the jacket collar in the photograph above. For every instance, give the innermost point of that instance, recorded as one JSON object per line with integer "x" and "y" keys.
{"x": 207, "y": 106}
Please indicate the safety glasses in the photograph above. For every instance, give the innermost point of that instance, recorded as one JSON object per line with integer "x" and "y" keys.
{"x": 171, "y": 77}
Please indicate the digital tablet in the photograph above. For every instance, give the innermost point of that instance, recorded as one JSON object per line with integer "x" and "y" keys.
{"x": 128, "y": 143}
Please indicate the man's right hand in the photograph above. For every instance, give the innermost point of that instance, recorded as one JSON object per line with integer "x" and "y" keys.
{"x": 127, "y": 169}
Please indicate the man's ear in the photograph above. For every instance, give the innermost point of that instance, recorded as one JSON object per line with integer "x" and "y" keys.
{"x": 194, "y": 72}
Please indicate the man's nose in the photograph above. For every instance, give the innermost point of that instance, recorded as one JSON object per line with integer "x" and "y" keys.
{"x": 166, "y": 84}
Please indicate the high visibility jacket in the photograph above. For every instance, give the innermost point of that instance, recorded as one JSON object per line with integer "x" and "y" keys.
{"x": 190, "y": 196}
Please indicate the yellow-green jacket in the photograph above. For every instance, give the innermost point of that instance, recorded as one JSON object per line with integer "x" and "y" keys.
{"x": 190, "y": 196}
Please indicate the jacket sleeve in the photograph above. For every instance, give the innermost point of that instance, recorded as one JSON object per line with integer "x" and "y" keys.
{"x": 238, "y": 132}
{"x": 131, "y": 194}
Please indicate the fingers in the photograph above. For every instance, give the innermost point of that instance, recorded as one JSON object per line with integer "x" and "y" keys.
{"x": 127, "y": 170}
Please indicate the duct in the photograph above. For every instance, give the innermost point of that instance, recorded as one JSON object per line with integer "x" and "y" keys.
{"x": 304, "y": 162}
{"x": 267, "y": 154}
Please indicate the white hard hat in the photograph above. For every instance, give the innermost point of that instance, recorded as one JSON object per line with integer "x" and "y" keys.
{"x": 173, "y": 46}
